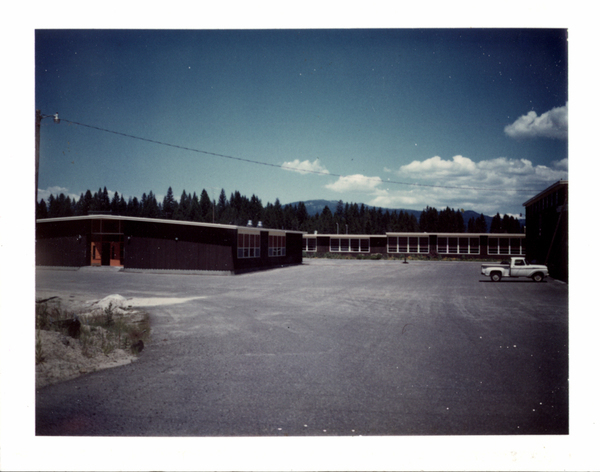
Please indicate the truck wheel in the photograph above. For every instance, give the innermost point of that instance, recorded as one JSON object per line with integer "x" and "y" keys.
{"x": 496, "y": 276}
{"x": 538, "y": 277}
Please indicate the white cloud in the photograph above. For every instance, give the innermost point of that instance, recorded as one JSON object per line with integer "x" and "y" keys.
{"x": 437, "y": 167}
{"x": 562, "y": 164}
{"x": 490, "y": 186}
{"x": 56, "y": 191}
{"x": 552, "y": 124}
{"x": 305, "y": 167}
{"x": 355, "y": 183}
{"x": 500, "y": 172}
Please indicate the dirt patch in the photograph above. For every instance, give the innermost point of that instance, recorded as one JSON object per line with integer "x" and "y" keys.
{"x": 75, "y": 337}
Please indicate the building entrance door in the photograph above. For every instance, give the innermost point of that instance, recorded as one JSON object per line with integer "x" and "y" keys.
{"x": 105, "y": 254}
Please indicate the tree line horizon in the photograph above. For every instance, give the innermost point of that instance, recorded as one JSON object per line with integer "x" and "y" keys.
{"x": 239, "y": 210}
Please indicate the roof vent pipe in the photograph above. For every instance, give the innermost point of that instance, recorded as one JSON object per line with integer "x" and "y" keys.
{"x": 249, "y": 223}
{"x": 260, "y": 224}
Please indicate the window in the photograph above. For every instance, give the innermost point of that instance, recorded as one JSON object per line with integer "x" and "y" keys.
{"x": 402, "y": 244}
{"x": 413, "y": 244}
{"x": 507, "y": 246}
{"x": 349, "y": 244}
{"x": 344, "y": 245}
{"x": 248, "y": 245}
{"x": 104, "y": 226}
{"x": 334, "y": 245}
{"x": 458, "y": 245}
{"x": 310, "y": 244}
{"x": 276, "y": 245}
{"x": 515, "y": 246}
{"x": 405, "y": 244}
{"x": 392, "y": 243}
{"x": 424, "y": 244}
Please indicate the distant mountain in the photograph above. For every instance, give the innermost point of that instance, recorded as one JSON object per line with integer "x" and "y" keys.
{"x": 316, "y": 206}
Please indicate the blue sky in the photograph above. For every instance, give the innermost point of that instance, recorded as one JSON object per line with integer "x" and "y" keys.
{"x": 399, "y": 118}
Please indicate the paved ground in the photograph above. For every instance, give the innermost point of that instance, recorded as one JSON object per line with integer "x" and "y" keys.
{"x": 325, "y": 348}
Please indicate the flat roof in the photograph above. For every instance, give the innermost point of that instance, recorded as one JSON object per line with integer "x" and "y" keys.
{"x": 161, "y": 221}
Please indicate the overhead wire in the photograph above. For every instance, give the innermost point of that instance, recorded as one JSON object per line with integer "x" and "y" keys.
{"x": 296, "y": 169}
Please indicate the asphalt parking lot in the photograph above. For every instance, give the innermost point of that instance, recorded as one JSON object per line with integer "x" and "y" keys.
{"x": 330, "y": 347}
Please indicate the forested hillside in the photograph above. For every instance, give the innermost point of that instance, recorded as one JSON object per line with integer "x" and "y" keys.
{"x": 350, "y": 218}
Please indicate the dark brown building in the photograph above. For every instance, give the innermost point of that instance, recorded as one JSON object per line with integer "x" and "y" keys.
{"x": 154, "y": 244}
{"x": 547, "y": 228}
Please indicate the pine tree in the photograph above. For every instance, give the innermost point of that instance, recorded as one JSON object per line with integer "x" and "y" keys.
{"x": 195, "y": 213}
{"x": 459, "y": 222}
{"x": 302, "y": 216}
{"x": 86, "y": 203}
{"x": 149, "y": 206}
{"x": 105, "y": 201}
{"x": 496, "y": 225}
{"x": 114, "y": 204}
{"x": 206, "y": 207}
{"x": 41, "y": 210}
{"x": 133, "y": 207}
{"x": 326, "y": 222}
{"x": 183, "y": 208}
{"x": 222, "y": 205}
{"x": 428, "y": 222}
{"x": 169, "y": 206}
{"x": 480, "y": 224}
{"x": 256, "y": 210}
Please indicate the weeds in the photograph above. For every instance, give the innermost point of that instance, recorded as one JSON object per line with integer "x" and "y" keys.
{"x": 103, "y": 331}
{"x": 109, "y": 314}
{"x": 39, "y": 352}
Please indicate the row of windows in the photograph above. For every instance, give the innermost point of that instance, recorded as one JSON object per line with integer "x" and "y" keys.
{"x": 507, "y": 246}
{"x": 276, "y": 246}
{"x": 408, "y": 244}
{"x": 107, "y": 227}
{"x": 420, "y": 245}
{"x": 349, "y": 245}
{"x": 249, "y": 245}
{"x": 451, "y": 245}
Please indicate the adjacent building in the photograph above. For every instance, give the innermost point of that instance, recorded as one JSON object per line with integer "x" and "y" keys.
{"x": 463, "y": 245}
{"x": 547, "y": 227}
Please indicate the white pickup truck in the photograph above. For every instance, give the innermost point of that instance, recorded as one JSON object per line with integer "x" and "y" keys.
{"x": 517, "y": 267}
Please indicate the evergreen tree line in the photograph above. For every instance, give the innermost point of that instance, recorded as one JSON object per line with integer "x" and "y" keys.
{"x": 348, "y": 218}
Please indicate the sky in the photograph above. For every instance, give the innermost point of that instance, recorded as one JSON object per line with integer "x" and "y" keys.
{"x": 385, "y": 104}
{"x": 473, "y": 119}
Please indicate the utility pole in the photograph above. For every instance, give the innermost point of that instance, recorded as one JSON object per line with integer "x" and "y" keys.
{"x": 38, "y": 121}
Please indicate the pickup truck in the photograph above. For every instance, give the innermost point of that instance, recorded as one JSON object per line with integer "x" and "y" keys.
{"x": 517, "y": 267}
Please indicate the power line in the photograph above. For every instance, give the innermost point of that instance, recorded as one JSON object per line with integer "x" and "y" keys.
{"x": 284, "y": 167}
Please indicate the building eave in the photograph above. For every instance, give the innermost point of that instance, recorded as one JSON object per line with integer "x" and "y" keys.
{"x": 545, "y": 192}
{"x": 157, "y": 220}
